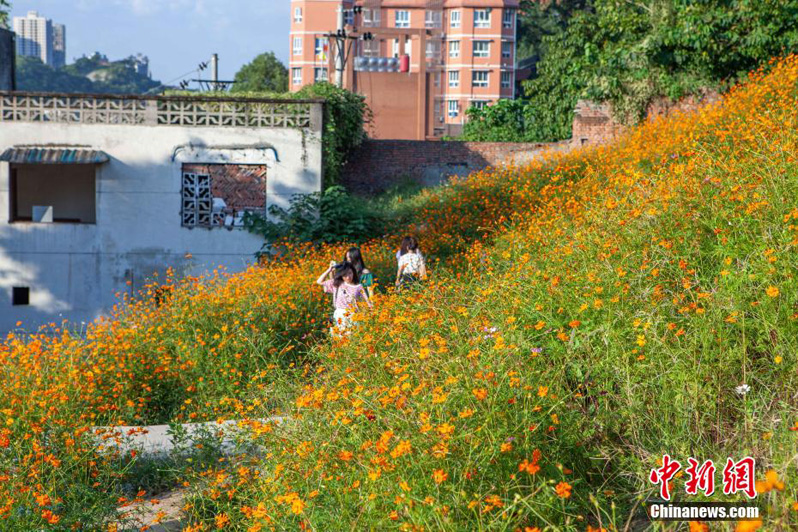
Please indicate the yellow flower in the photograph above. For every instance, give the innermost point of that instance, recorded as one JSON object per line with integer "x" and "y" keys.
{"x": 772, "y": 291}
{"x": 439, "y": 476}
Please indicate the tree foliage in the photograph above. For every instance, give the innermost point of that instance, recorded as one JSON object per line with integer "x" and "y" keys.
{"x": 332, "y": 215}
{"x": 4, "y": 7}
{"x": 118, "y": 77}
{"x": 630, "y": 52}
{"x": 265, "y": 73}
{"x": 33, "y": 75}
{"x": 345, "y": 119}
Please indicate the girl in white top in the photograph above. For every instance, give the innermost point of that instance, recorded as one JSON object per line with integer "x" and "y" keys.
{"x": 411, "y": 263}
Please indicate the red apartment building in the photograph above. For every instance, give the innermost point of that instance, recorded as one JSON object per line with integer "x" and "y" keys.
{"x": 460, "y": 53}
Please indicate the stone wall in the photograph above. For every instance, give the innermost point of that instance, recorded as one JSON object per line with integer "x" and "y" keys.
{"x": 380, "y": 164}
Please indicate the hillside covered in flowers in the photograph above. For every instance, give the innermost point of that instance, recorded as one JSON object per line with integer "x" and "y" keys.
{"x": 585, "y": 315}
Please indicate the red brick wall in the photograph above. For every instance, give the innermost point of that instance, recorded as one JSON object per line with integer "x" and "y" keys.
{"x": 380, "y": 164}
{"x": 593, "y": 123}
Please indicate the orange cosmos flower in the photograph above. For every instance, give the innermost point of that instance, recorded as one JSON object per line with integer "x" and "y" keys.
{"x": 530, "y": 467}
{"x": 748, "y": 526}
{"x": 563, "y": 490}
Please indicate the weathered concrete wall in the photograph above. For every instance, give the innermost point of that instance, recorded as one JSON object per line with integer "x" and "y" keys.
{"x": 75, "y": 270}
{"x": 7, "y": 57}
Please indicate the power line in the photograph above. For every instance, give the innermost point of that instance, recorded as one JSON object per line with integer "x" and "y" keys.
{"x": 202, "y": 66}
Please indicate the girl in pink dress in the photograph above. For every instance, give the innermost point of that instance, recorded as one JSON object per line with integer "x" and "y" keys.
{"x": 347, "y": 293}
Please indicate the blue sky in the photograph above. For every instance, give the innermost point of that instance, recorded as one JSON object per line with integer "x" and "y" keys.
{"x": 175, "y": 34}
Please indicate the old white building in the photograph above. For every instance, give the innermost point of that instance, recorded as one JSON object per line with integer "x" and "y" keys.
{"x": 99, "y": 193}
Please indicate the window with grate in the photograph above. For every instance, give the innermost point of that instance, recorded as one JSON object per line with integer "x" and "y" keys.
{"x": 197, "y": 210}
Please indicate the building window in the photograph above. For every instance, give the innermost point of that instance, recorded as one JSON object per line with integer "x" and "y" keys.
{"x": 454, "y": 19}
{"x": 507, "y": 50}
{"x": 454, "y": 78}
{"x": 297, "y": 14}
{"x": 433, "y": 50}
{"x": 432, "y": 19}
{"x": 53, "y": 193}
{"x": 479, "y": 78}
{"x": 296, "y": 76}
{"x": 320, "y": 74}
{"x": 454, "y": 49}
{"x": 509, "y": 18}
{"x": 371, "y": 48}
{"x": 481, "y": 48}
{"x": 479, "y": 104}
{"x": 507, "y": 80}
{"x": 197, "y": 200}
{"x": 408, "y": 47}
{"x": 481, "y": 18}
{"x": 437, "y": 79}
{"x": 453, "y": 108}
{"x": 349, "y": 17}
{"x": 371, "y": 17}
{"x": 321, "y": 48}
{"x": 20, "y": 296}
{"x": 403, "y": 19}
{"x": 297, "y": 45}
{"x": 220, "y": 195}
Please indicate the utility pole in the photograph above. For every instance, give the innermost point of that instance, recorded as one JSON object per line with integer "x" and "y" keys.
{"x": 339, "y": 49}
{"x": 215, "y": 72}
{"x": 213, "y": 84}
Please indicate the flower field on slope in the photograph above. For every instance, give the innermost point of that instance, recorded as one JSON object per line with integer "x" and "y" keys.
{"x": 589, "y": 314}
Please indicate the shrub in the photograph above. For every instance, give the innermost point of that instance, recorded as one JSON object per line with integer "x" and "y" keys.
{"x": 332, "y": 215}
{"x": 345, "y": 119}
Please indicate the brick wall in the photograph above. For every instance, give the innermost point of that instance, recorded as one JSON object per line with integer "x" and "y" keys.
{"x": 593, "y": 122}
{"x": 380, "y": 164}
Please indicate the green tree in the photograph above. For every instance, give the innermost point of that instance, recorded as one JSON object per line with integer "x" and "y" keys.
{"x": 264, "y": 74}
{"x": 346, "y": 115}
{"x": 629, "y": 52}
{"x": 537, "y": 20}
{"x": 33, "y": 75}
{"x": 4, "y": 7}
{"x": 120, "y": 78}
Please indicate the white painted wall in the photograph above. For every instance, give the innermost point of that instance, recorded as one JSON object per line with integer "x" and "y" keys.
{"x": 75, "y": 271}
